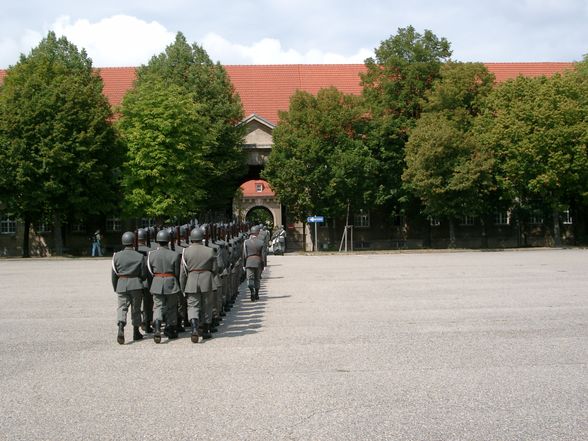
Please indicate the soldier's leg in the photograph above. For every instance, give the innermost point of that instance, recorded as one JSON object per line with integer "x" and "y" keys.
{"x": 124, "y": 300}
{"x": 147, "y": 310}
{"x": 251, "y": 277}
{"x": 158, "y": 305}
{"x": 182, "y": 310}
{"x": 194, "y": 301}
{"x": 171, "y": 301}
{"x": 136, "y": 299}
{"x": 257, "y": 283}
{"x": 207, "y": 300}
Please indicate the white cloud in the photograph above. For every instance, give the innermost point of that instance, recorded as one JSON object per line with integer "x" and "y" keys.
{"x": 270, "y": 51}
{"x": 10, "y": 48}
{"x": 119, "y": 40}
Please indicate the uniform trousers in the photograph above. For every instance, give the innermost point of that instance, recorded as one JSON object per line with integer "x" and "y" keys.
{"x": 253, "y": 278}
{"x": 200, "y": 306}
{"x": 170, "y": 303}
{"x": 147, "y": 306}
{"x": 133, "y": 299}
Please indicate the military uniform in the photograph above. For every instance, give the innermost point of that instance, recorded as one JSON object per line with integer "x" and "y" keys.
{"x": 147, "y": 297}
{"x": 128, "y": 274}
{"x": 163, "y": 264}
{"x": 253, "y": 255}
{"x": 196, "y": 278}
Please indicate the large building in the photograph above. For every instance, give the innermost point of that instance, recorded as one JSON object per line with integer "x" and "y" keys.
{"x": 265, "y": 90}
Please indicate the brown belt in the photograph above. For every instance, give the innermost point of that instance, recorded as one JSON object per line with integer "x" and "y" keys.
{"x": 164, "y": 275}
{"x": 124, "y": 277}
{"x": 198, "y": 270}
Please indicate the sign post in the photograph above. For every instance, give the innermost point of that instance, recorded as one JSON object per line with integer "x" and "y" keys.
{"x": 315, "y": 220}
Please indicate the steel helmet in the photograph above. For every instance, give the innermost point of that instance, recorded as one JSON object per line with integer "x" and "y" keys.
{"x": 196, "y": 235}
{"x": 163, "y": 236}
{"x": 128, "y": 238}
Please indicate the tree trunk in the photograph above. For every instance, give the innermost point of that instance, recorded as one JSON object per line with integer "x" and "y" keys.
{"x": 26, "y": 239}
{"x": 451, "y": 232}
{"x": 57, "y": 238}
{"x": 484, "y": 232}
{"x": 556, "y": 229}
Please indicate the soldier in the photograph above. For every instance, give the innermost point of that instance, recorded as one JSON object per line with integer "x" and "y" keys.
{"x": 128, "y": 274}
{"x": 264, "y": 236}
{"x": 198, "y": 270}
{"x": 175, "y": 234}
{"x": 143, "y": 248}
{"x": 253, "y": 255}
{"x": 164, "y": 266}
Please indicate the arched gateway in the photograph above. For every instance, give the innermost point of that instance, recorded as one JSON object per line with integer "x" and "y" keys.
{"x": 256, "y": 193}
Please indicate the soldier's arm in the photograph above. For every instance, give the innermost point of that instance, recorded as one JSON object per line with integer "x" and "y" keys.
{"x": 143, "y": 269}
{"x": 183, "y": 276}
{"x": 114, "y": 275}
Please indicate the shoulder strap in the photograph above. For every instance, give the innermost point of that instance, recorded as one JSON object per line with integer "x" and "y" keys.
{"x": 184, "y": 260}
{"x": 149, "y": 263}
{"x": 113, "y": 266}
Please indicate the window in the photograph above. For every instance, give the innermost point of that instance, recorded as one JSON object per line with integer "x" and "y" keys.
{"x": 361, "y": 219}
{"x": 7, "y": 225}
{"x": 113, "y": 224}
{"x": 43, "y": 227}
{"x": 566, "y": 217}
{"x": 78, "y": 228}
{"x": 434, "y": 222}
{"x": 468, "y": 220}
{"x": 258, "y": 188}
{"x": 147, "y": 222}
{"x": 536, "y": 217}
{"x": 502, "y": 218}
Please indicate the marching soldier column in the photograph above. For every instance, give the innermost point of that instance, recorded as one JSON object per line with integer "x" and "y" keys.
{"x": 196, "y": 282}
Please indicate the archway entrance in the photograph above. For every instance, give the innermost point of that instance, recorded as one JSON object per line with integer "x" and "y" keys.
{"x": 255, "y": 201}
{"x": 260, "y": 215}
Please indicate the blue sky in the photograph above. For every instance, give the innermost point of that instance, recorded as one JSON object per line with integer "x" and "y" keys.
{"x": 129, "y": 32}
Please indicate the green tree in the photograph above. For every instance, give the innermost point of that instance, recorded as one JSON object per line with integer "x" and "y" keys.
{"x": 208, "y": 137}
{"x": 538, "y": 128}
{"x": 396, "y": 80}
{"x": 446, "y": 166}
{"x": 60, "y": 153}
{"x": 319, "y": 162}
{"x": 165, "y": 134}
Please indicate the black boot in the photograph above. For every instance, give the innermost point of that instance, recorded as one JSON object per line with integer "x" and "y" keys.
{"x": 137, "y": 334}
{"x": 171, "y": 332}
{"x": 206, "y": 335}
{"x": 157, "y": 331}
{"x": 120, "y": 337}
{"x": 147, "y": 328}
{"x": 252, "y": 294}
{"x": 256, "y": 294}
{"x": 194, "y": 336}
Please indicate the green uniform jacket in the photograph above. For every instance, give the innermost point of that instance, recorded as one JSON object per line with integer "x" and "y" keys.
{"x": 128, "y": 270}
{"x": 164, "y": 261}
{"x": 253, "y": 252}
{"x": 198, "y": 268}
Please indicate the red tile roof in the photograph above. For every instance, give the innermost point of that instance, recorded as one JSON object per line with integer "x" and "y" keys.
{"x": 250, "y": 191}
{"x": 266, "y": 89}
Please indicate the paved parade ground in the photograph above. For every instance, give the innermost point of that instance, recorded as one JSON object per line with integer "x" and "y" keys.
{"x": 480, "y": 346}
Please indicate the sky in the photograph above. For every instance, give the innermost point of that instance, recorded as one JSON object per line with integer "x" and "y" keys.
{"x": 129, "y": 32}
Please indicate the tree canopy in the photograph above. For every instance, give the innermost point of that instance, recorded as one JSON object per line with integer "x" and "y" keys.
{"x": 405, "y": 67}
{"x": 60, "y": 152}
{"x": 180, "y": 124}
{"x": 446, "y": 166}
{"x": 539, "y": 132}
{"x": 319, "y": 162}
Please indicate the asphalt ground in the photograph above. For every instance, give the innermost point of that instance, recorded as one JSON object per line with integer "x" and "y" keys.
{"x": 399, "y": 346}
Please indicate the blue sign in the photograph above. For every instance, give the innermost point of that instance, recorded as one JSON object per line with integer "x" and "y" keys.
{"x": 315, "y": 219}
